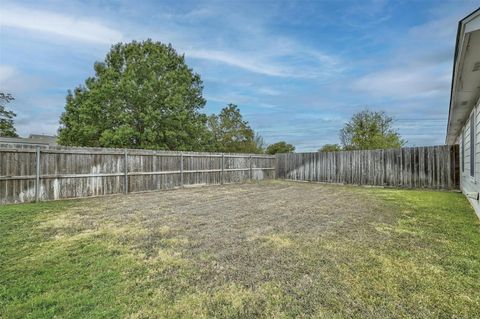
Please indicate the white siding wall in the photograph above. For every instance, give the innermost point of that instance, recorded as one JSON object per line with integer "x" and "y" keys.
{"x": 468, "y": 184}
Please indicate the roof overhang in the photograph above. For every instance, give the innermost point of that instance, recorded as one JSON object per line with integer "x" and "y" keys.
{"x": 465, "y": 91}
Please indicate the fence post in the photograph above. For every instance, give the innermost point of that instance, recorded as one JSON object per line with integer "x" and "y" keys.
{"x": 181, "y": 169}
{"x": 126, "y": 170}
{"x": 251, "y": 168}
{"x": 222, "y": 181}
{"x": 37, "y": 174}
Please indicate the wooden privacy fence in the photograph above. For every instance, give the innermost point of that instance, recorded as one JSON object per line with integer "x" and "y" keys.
{"x": 413, "y": 167}
{"x": 29, "y": 173}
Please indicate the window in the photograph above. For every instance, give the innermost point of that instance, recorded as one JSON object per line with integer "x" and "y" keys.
{"x": 463, "y": 151}
{"x": 472, "y": 144}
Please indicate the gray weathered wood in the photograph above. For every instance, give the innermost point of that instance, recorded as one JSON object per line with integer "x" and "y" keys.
{"x": 125, "y": 161}
{"x": 37, "y": 177}
{"x": 181, "y": 170}
{"x": 222, "y": 178}
{"x": 68, "y": 172}
{"x": 412, "y": 167}
{"x": 250, "y": 164}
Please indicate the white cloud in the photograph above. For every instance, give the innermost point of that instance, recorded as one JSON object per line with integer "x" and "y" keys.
{"x": 6, "y": 73}
{"x": 14, "y": 81}
{"x": 269, "y": 91}
{"x": 72, "y": 27}
{"x": 404, "y": 82}
{"x": 299, "y": 64}
{"x": 250, "y": 64}
{"x": 274, "y": 55}
{"x": 419, "y": 66}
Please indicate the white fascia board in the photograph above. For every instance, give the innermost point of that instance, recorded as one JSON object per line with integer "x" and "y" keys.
{"x": 473, "y": 24}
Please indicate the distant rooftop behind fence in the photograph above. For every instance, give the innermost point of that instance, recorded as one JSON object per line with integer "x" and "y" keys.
{"x": 33, "y": 139}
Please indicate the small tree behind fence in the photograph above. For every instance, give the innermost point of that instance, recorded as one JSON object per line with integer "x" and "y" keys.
{"x": 434, "y": 167}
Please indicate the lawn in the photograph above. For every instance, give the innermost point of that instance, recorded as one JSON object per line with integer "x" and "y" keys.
{"x": 271, "y": 249}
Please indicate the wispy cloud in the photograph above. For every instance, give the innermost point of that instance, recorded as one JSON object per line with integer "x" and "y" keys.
{"x": 13, "y": 81}
{"x": 366, "y": 14}
{"x": 295, "y": 63}
{"x": 6, "y": 73}
{"x": 420, "y": 64}
{"x": 406, "y": 82}
{"x": 71, "y": 27}
{"x": 242, "y": 62}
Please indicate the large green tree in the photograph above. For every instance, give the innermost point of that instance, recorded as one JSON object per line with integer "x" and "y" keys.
{"x": 280, "y": 147}
{"x": 7, "y": 127}
{"x": 230, "y": 133}
{"x": 330, "y": 148}
{"x": 142, "y": 96}
{"x": 370, "y": 130}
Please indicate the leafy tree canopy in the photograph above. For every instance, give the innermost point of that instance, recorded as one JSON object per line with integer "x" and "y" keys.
{"x": 330, "y": 148}
{"x": 370, "y": 130}
{"x": 280, "y": 147}
{"x": 7, "y": 127}
{"x": 142, "y": 96}
{"x": 230, "y": 133}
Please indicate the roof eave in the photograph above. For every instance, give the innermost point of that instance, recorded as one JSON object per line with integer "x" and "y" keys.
{"x": 448, "y": 138}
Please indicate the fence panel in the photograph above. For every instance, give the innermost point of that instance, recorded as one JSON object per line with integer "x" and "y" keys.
{"x": 434, "y": 167}
{"x": 69, "y": 172}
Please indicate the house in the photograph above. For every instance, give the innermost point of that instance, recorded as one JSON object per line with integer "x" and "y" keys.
{"x": 463, "y": 126}
{"x": 33, "y": 139}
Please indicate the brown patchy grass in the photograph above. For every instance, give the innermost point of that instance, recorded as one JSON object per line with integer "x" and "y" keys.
{"x": 272, "y": 249}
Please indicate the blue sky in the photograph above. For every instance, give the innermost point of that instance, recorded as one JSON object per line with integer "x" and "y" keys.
{"x": 298, "y": 70}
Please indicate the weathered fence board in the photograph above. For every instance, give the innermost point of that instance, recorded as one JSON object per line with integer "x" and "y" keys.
{"x": 434, "y": 167}
{"x": 69, "y": 172}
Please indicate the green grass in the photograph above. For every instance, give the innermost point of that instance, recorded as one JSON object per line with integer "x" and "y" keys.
{"x": 386, "y": 254}
{"x": 42, "y": 278}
